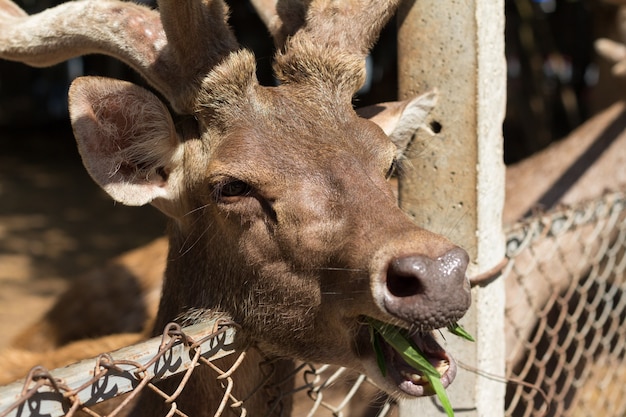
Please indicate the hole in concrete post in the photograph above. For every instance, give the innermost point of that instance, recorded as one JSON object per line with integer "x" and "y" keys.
{"x": 435, "y": 126}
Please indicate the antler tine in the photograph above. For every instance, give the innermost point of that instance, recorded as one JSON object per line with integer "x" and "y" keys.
{"x": 128, "y": 32}
{"x": 134, "y": 34}
{"x": 266, "y": 9}
{"x": 198, "y": 38}
{"x": 198, "y": 31}
{"x": 316, "y": 18}
{"x": 339, "y": 32}
{"x": 8, "y": 8}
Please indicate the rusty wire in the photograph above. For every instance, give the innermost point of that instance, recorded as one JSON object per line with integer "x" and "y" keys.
{"x": 172, "y": 336}
{"x": 318, "y": 390}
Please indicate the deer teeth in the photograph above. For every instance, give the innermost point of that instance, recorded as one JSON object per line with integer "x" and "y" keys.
{"x": 414, "y": 378}
{"x": 441, "y": 367}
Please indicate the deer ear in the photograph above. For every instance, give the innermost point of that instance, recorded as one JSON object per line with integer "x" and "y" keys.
{"x": 126, "y": 138}
{"x": 401, "y": 119}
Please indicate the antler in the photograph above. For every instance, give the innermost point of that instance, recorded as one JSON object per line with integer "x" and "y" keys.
{"x": 340, "y": 33}
{"x": 266, "y": 9}
{"x": 353, "y": 25}
{"x": 173, "y": 50}
{"x": 615, "y": 53}
{"x": 320, "y": 40}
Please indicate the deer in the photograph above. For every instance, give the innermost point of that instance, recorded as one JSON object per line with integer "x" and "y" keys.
{"x": 281, "y": 215}
{"x": 540, "y": 177}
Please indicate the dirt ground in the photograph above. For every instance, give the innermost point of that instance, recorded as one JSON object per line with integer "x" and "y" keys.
{"x": 55, "y": 222}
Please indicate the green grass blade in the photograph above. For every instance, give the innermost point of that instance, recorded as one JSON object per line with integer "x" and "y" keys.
{"x": 400, "y": 342}
{"x": 435, "y": 382}
{"x": 378, "y": 350}
{"x": 457, "y": 330}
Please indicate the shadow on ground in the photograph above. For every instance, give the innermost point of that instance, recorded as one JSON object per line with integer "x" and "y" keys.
{"x": 55, "y": 222}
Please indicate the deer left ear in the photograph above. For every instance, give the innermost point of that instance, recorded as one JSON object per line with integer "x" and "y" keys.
{"x": 127, "y": 140}
{"x": 401, "y": 119}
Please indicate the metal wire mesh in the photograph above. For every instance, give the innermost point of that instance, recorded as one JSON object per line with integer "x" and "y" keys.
{"x": 110, "y": 384}
{"x": 565, "y": 312}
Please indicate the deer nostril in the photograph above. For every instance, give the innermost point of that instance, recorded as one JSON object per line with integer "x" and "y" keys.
{"x": 427, "y": 291}
{"x": 404, "y": 276}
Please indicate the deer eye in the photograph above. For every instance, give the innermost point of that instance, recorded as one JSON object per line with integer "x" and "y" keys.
{"x": 392, "y": 168}
{"x": 233, "y": 188}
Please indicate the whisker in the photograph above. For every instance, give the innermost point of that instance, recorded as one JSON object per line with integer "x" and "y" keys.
{"x": 338, "y": 269}
{"x": 185, "y": 246}
{"x": 183, "y": 252}
{"x": 343, "y": 292}
{"x": 196, "y": 209}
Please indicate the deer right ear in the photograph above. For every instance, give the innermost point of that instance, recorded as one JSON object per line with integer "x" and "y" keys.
{"x": 127, "y": 140}
{"x": 401, "y": 119}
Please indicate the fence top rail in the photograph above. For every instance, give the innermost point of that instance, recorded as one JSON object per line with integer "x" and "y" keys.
{"x": 91, "y": 381}
{"x": 562, "y": 219}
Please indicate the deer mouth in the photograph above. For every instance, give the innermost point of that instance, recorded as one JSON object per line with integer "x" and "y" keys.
{"x": 405, "y": 378}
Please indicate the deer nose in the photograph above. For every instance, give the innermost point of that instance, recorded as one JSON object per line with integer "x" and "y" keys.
{"x": 430, "y": 293}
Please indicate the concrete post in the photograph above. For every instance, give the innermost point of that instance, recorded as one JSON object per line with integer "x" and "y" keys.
{"x": 453, "y": 183}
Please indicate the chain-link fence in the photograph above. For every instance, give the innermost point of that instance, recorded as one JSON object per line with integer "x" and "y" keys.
{"x": 566, "y": 306}
{"x": 110, "y": 384}
{"x": 565, "y": 341}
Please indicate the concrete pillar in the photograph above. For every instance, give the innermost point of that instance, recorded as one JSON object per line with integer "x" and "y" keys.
{"x": 453, "y": 183}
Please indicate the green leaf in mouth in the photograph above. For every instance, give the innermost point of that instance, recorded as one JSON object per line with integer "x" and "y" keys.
{"x": 399, "y": 340}
{"x": 457, "y": 330}
{"x": 378, "y": 350}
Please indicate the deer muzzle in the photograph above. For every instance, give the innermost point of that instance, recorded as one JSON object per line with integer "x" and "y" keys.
{"x": 426, "y": 293}
{"x": 422, "y": 293}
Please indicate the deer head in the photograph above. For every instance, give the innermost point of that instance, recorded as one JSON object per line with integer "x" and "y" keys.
{"x": 281, "y": 213}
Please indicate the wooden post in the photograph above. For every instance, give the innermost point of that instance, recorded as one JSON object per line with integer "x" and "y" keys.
{"x": 454, "y": 181}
